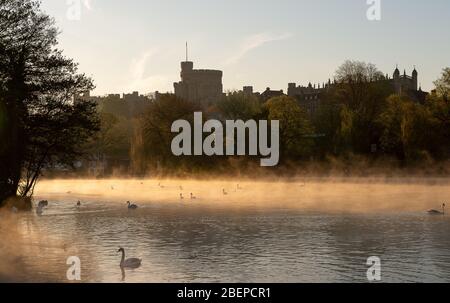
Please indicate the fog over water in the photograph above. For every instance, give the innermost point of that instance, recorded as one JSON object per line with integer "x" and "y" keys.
{"x": 307, "y": 230}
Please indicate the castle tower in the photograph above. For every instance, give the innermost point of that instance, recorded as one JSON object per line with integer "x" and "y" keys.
{"x": 186, "y": 66}
{"x": 396, "y": 73}
{"x": 199, "y": 85}
{"x": 397, "y": 81}
{"x": 415, "y": 78}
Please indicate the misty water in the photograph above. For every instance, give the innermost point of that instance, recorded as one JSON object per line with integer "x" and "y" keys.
{"x": 303, "y": 231}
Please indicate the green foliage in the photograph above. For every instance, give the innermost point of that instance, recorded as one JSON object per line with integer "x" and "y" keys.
{"x": 356, "y": 113}
{"x": 294, "y": 127}
{"x": 152, "y": 143}
{"x": 405, "y": 125}
{"x": 443, "y": 84}
{"x": 114, "y": 138}
{"x": 238, "y": 105}
{"x": 438, "y": 104}
{"x": 362, "y": 91}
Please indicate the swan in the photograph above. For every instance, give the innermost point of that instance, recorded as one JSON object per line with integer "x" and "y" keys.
{"x": 79, "y": 203}
{"x": 131, "y": 263}
{"x": 43, "y": 203}
{"x": 193, "y": 197}
{"x": 181, "y": 197}
{"x": 39, "y": 210}
{"x": 224, "y": 192}
{"x": 436, "y": 212}
{"x": 131, "y": 206}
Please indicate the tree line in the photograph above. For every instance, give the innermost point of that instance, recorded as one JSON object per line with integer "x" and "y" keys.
{"x": 361, "y": 115}
{"x": 43, "y": 124}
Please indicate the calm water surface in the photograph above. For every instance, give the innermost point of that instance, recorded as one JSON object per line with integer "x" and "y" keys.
{"x": 222, "y": 241}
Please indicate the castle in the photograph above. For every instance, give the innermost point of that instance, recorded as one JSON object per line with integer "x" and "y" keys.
{"x": 199, "y": 85}
{"x": 205, "y": 87}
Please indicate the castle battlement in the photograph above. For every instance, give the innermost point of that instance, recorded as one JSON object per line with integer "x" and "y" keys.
{"x": 202, "y": 86}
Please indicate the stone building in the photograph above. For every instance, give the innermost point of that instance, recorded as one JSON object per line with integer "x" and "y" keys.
{"x": 308, "y": 96}
{"x": 311, "y": 95}
{"x": 199, "y": 85}
{"x": 269, "y": 93}
{"x": 404, "y": 83}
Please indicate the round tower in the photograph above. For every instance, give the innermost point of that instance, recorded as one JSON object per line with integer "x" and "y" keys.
{"x": 187, "y": 66}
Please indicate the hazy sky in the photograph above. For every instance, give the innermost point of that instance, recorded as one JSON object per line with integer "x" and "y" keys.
{"x": 138, "y": 44}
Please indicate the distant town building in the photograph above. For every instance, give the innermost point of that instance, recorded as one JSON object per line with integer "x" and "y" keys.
{"x": 125, "y": 105}
{"x": 268, "y": 94}
{"x": 310, "y": 96}
{"x": 404, "y": 84}
{"x": 199, "y": 85}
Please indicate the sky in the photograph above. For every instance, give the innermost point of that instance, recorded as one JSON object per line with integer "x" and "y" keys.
{"x": 137, "y": 45}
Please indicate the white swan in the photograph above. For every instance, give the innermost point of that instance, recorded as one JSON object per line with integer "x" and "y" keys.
{"x": 39, "y": 210}
{"x": 43, "y": 203}
{"x": 436, "y": 212}
{"x": 131, "y": 206}
{"x": 131, "y": 263}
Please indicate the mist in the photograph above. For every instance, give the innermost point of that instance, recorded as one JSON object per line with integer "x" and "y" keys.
{"x": 346, "y": 195}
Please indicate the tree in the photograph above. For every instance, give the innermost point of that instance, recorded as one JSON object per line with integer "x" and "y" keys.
{"x": 362, "y": 90}
{"x": 113, "y": 140}
{"x": 332, "y": 119}
{"x": 358, "y": 72}
{"x": 406, "y": 128}
{"x": 152, "y": 142}
{"x": 238, "y": 105}
{"x": 438, "y": 103}
{"x": 443, "y": 84}
{"x": 42, "y": 122}
{"x": 294, "y": 127}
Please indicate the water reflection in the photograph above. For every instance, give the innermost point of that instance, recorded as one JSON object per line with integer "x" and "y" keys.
{"x": 207, "y": 241}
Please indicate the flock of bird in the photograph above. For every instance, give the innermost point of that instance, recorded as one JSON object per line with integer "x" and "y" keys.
{"x": 130, "y": 263}
{"x": 134, "y": 263}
